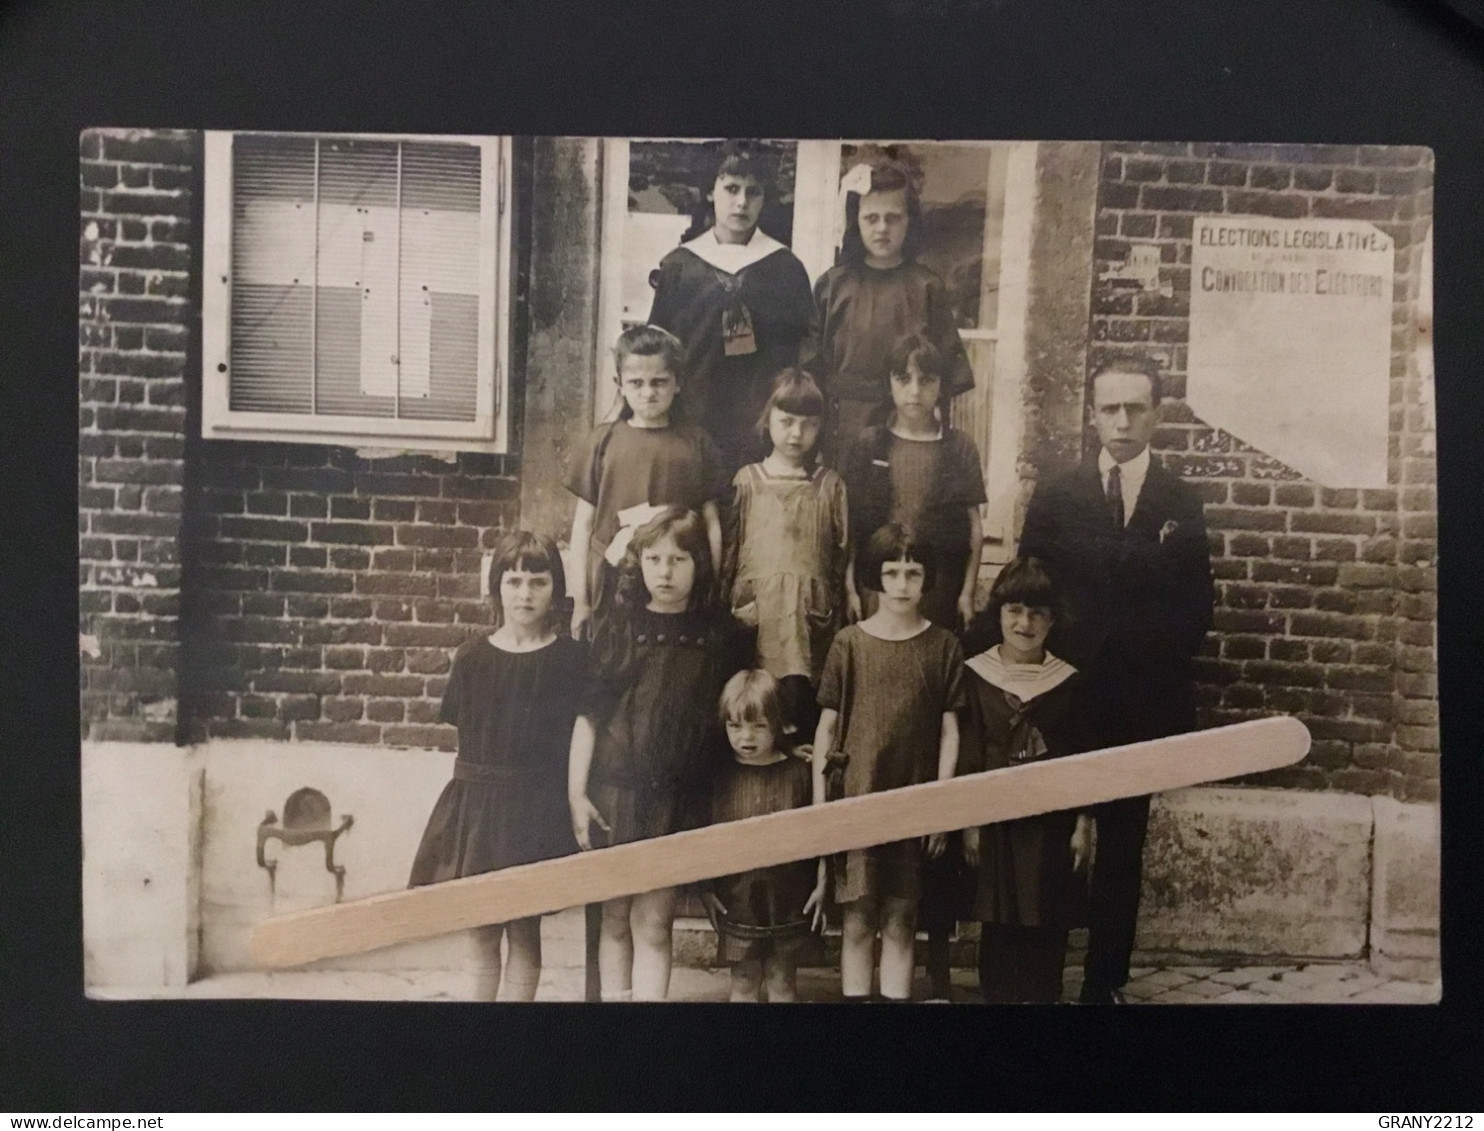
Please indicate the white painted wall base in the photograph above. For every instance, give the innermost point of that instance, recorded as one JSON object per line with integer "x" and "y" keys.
{"x": 171, "y": 888}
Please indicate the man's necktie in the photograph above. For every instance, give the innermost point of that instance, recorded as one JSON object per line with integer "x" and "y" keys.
{"x": 1115, "y": 496}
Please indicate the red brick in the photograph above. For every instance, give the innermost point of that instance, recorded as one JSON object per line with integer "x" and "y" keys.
{"x": 263, "y": 554}
{"x": 307, "y": 506}
{"x": 345, "y": 658}
{"x": 297, "y": 682}
{"x": 394, "y": 610}
{"x": 1325, "y": 522}
{"x": 453, "y": 536}
{"x": 339, "y": 710}
{"x": 370, "y": 483}
{"x": 263, "y": 529}
{"x": 1251, "y": 494}
{"x": 455, "y": 586}
{"x": 1232, "y": 620}
{"x": 425, "y": 636}
{"x": 309, "y": 557}
{"x": 1267, "y": 204}
{"x": 1243, "y": 648}
{"x": 311, "y": 581}
{"x": 342, "y": 632}
{"x": 1332, "y": 624}
{"x": 395, "y": 584}
{"x": 434, "y": 561}
{"x": 442, "y": 738}
{"x": 391, "y": 686}
{"x": 385, "y": 660}
{"x": 439, "y": 512}
{"x": 1354, "y": 208}
{"x": 247, "y": 728}
{"x": 1296, "y": 573}
{"x": 1334, "y": 549}
{"x": 310, "y": 607}
{"x": 1312, "y": 179}
{"x": 293, "y": 708}
{"x": 1374, "y": 680}
{"x": 365, "y": 734}
{"x": 1291, "y": 597}
{"x": 1241, "y": 518}
{"x": 262, "y": 604}
{"x": 1418, "y": 712}
{"x": 350, "y": 557}
{"x": 352, "y": 533}
{"x": 1335, "y": 600}
{"x": 466, "y": 487}
{"x": 1290, "y": 650}
{"x": 1282, "y": 675}
{"x": 427, "y": 661}
{"x": 1290, "y": 700}
{"x": 385, "y": 710}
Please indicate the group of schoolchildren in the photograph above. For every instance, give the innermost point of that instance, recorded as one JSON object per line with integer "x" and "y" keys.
{"x": 780, "y": 543}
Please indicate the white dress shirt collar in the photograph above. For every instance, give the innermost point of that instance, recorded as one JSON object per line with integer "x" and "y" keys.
{"x": 1131, "y": 477}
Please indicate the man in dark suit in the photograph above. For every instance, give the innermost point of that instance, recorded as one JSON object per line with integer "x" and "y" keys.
{"x": 1125, "y": 542}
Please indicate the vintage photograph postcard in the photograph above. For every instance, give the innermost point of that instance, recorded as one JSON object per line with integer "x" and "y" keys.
{"x": 451, "y": 503}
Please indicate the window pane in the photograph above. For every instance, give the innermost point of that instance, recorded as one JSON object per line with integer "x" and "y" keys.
{"x": 973, "y": 412}
{"x": 272, "y": 273}
{"x": 270, "y": 337}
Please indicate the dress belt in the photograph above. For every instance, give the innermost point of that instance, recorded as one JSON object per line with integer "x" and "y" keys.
{"x": 486, "y": 774}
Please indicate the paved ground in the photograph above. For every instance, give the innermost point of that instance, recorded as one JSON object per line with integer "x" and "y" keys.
{"x": 562, "y": 980}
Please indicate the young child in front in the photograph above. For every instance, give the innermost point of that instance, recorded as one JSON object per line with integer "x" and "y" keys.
{"x": 1023, "y": 704}
{"x": 763, "y": 917}
{"x": 632, "y": 467}
{"x": 877, "y": 293}
{"x": 917, "y": 471}
{"x": 787, "y": 549}
{"x": 889, "y": 697}
{"x": 646, "y": 735}
{"x": 513, "y": 700}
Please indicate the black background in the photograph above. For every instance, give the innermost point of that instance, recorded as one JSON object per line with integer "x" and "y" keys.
{"x": 1351, "y": 71}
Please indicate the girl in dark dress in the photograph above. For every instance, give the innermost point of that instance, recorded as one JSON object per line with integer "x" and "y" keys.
{"x": 876, "y": 294}
{"x": 763, "y": 917}
{"x": 917, "y": 471}
{"x": 739, "y": 302}
{"x": 511, "y": 696}
{"x": 1023, "y": 709}
{"x": 647, "y": 739}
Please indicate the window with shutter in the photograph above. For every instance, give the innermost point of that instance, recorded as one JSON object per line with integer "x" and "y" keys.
{"x": 356, "y": 289}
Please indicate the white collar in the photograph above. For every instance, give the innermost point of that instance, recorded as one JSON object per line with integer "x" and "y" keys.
{"x": 1131, "y": 472}
{"x": 1024, "y": 681}
{"x": 732, "y": 257}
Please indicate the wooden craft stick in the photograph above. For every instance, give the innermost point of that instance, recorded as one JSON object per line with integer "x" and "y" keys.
{"x": 797, "y": 834}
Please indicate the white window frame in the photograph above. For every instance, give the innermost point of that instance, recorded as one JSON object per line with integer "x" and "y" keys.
{"x": 488, "y": 432}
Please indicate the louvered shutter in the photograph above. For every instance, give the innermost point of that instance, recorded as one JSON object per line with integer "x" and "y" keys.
{"x": 356, "y": 277}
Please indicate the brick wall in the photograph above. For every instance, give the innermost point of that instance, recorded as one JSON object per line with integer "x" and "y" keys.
{"x": 246, "y": 589}
{"x": 134, "y": 328}
{"x": 329, "y": 589}
{"x": 1326, "y": 604}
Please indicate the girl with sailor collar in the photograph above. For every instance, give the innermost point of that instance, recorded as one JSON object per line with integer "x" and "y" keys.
{"x": 739, "y": 301}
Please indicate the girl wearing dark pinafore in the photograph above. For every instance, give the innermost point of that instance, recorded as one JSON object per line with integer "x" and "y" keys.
{"x": 646, "y": 737}
{"x": 512, "y": 698}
